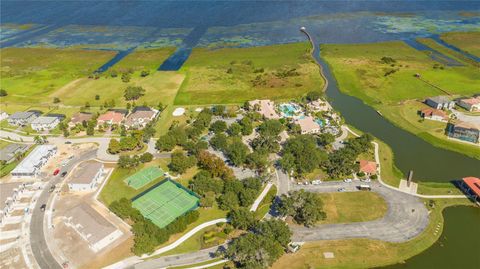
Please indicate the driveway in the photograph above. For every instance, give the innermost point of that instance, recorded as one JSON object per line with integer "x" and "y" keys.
{"x": 405, "y": 219}
{"x": 467, "y": 118}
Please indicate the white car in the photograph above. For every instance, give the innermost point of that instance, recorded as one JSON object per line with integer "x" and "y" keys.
{"x": 366, "y": 180}
{"x": 341, "y": 189}
{"x": 347, "y": 180}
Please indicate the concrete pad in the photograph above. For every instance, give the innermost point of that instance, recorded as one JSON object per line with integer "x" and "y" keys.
{"x": 328, "y": 255}
{"x": 403, "y": 186}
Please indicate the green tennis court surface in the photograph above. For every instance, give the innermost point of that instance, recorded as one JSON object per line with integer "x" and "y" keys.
{"x": 143, "y": 177}
{"x": 164, "y": 203}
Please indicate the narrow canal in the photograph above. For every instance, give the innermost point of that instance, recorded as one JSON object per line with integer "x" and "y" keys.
{"x": 458, "y": 246}
{"x": 429, "y": 163}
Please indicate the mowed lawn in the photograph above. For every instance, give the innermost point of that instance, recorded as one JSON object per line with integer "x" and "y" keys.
{"x": 466, "y": 41}
{"x": 144, "y": 59}
{"x": 352, "y": 207}
{"x": 235, "y": 75}
{"x": 159, "y": 86}
{"x": 360, "y": 72}
{"x": 30, "y": 75}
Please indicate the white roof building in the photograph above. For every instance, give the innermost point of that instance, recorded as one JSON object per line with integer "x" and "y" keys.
{"x": 22, "y": 118}
{"x": 85, "y": 176}
{"x": 31, "y": 165}
{"x": 92, "y": 226}
{"x": 3, "y": 115}
{"x": 44, "y": 123}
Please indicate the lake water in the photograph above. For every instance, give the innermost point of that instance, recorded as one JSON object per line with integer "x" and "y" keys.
{"x": 458, "y": 246}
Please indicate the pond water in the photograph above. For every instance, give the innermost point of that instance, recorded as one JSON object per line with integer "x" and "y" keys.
{"x": 458, "y": 246}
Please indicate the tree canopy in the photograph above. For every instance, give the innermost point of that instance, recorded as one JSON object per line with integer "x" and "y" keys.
{"x": 133, "y": 92}
{"x": 305, "y": 207}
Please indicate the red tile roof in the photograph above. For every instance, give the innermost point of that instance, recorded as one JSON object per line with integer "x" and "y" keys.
{"x": 368, "y": 167}
{"x": 473, "y": 183}
{"x": 428, "y": 112}
{"x": 114, "y": 117}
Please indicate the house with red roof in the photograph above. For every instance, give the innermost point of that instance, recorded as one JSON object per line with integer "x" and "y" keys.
{"x": 470, "y": 104}
{"x": 471, "y": 186}
{"x": 368, "y": 167}
{"x": 111, "y": 117}
{"x": 434, "y": 114}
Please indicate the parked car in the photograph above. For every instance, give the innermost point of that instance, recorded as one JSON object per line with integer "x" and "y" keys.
{"x": 316, "y": 182}
{"x": 347, "y": 180}
{"x": 64, "y": 174}
{"x": 43, "y": 207}
{"x": 342, "y": 190}
{"x": 56, "y": 172}
{"x": 365, "y": 180}
{"x": 68, "y": 142}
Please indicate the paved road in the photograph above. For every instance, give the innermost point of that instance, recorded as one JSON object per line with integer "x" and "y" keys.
{"x": 406, "y": 218}
{"x": 283, "y": 182}
{"x": 38, "y": 242}
{"x": 466, "y": 118}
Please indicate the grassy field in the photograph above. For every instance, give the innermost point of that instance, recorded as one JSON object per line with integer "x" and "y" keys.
{"x": 144, "y": 59}
{"x": 449, "y": 52}
{"x": 159, "y": 87}
{"x": 352, "y": 207}
{"x": 466, "y": 41}
{"x": 360, "y": 72}
{"x": 30, "y": 75}
{"x": 366, "y": 253}
{"x": 227, "y": 76}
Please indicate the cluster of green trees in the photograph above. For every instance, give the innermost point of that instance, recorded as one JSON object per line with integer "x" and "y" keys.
{"x": 180, "y": 162}
{"x": 342, "y": 162}
{"x": 214, "y": 165}
{"x": 265, "y": 242}
{"x": 126, "y": 161}
{"x": 126, "y": 143}
{"x": 176, "y": 136}
{"x": 148, "y": 235}
{"x": 133, "y": 92}
{"x": 305, "y": 207}
{"x": 302, "y": 155}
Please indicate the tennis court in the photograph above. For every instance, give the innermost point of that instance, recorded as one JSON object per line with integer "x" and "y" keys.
{"x": 143, "y": 177}
{"x": 164, "y": 203}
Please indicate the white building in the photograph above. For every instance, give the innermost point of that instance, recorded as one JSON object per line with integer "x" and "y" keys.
{"x": 31, "y": 165}
{"x": 3, "y": 115}
{"x": 44, "y": 123}
{"x": 440, "y": 102}
{"x": 308, "y": 125}
{"x": 22, "y": 118}
{"x": 9, "y": 195}
{"x": 86, "y": 176}
{"x": 92, "y": 226}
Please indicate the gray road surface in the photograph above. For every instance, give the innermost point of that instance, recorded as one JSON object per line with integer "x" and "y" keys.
{"x": 406, "y": 218}
{"x": 38, "y": 242}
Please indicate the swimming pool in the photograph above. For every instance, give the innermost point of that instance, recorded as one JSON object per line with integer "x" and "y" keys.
{"x": 288, "y": 110}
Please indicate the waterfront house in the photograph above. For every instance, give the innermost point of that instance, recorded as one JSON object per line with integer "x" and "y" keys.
{"x": 45, "y": 123}
{"x": 79, "y": 118}
{"x": 440, "y": 102}
{"x": 22, "y": 118}
{"x": 308, "y": 125}
{"x": 140, "y": 117}
{"x": 471, "y": 186}
{"x": 464, "y": 131}
{"x": 368, "y": 167}
{"x": 111, "y": 117}
{"x": 434, "y": 114}
{"x": 470, "y": 104}
{"x": 265, "y": 107}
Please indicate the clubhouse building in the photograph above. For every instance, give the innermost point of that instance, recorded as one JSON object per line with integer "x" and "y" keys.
{"x": 86, "y": 176}
{"x": 471, "y": 186}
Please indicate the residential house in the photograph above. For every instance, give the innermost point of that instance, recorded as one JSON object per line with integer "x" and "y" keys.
{"x": 111, "y": 117}
{"x": 140, "y": 117}
{"x": 86, "y": 176}
{"x": 368, "y": 167}
{"x": 308, "y": 125}
{"x": 11, "y": 151}
{"x": 471, "y": 186}
{"x": 470, "y": 104}
{"x": 434, "y": 114}
{"x": 10, "y": 193}
{"x": 22, "y": 118}
{"x": 45, "y": 123}
{"x": 464, "y": 131}
{"x": 440, "y": 102}
{"x": 31, "y": 165}
{"x": 79, "y": 118}
{"x": 265, "y": 107}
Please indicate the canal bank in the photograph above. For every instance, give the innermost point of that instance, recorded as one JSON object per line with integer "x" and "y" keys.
{"x": 429, "y": 163}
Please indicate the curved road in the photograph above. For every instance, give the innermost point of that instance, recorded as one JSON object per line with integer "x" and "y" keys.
{"x": 40, "y": 249}
{"x": 406, "y": 218}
